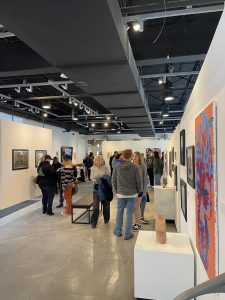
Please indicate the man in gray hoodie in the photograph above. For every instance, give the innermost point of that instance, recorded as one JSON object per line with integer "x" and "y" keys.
{"x": 128, "y": 185}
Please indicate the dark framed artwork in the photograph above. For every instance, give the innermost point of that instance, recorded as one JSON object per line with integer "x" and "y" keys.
{"x": 67, "y": 151}
{"x": 173, "y": 154}
{"x": 172, "y": 167}
{"x": 38, "y": 156}
{"x": 182, "y": 147}
{"x": 190, "y": 156}
{"x": 183, "y": 198}
{"x": 170, "y": 164}
{"x": 20, "y": 159}
{"x": 175, "y": 177}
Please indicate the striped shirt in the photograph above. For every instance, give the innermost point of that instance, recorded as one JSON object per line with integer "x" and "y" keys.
{"x": 67, "y": 176}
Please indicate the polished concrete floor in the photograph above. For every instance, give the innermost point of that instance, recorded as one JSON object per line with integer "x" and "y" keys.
{"x": 48, "y": 258}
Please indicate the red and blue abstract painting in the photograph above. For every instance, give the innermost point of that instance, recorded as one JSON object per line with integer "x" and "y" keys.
{"x": 206, "y": 188}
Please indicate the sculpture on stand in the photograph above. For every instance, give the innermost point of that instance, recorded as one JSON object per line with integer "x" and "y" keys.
{"x": 160, "y": 228}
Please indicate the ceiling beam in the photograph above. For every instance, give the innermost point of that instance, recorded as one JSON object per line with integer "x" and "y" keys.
{"x": 174, "y": 13}
{"x": 27, "y": 84}
{"x": 29, "y": 72}
{"x": 174, "y": 74}
{"x": 170, "y": 60}
{"x": 159, "y": 6}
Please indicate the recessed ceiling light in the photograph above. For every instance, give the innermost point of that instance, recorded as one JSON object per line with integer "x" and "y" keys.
{"x": 45, "y": 115}
{"x": 93, "y": 125}
{"x": 106, "y": 124}
{"x": 108, "y": 117}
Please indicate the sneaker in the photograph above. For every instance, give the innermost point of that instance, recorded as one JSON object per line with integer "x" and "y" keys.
{"x": 129, "y": 237}
{"x": 117, "y": 234}
{"x": 64, "y": 214}
{"x": 50, "y": 213}
{"x": 106, "y": 221}
{"x": 143, "y": 221}
{"x": 59, "y": 205}
{"x": 136, "y": 227}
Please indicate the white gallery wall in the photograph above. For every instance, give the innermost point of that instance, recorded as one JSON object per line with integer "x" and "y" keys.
{"x": 210, "y": 87}
{"x": 140, "y": 145}
{"x": 16, "y": 185}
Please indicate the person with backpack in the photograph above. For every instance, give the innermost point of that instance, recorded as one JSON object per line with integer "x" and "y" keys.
{"x": 89, "y": 164}
{"x": 102, "y": 190}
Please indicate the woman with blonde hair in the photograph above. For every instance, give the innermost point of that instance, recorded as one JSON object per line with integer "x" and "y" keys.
{"x": 99, "y": 171}
{"x": 141, "y": 200}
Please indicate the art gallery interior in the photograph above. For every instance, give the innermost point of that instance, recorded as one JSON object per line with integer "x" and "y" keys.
{"x": 104, "y": 76}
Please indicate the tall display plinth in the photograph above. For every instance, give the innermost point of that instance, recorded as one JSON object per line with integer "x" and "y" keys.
{"x": 164, "y": 201}
{"x": 162, "y": 271}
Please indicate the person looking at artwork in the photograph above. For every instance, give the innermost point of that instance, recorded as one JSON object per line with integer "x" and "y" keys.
{"x": 111, "y": 160}
{"x": 149, "y": 165}
{"x": 89, "y": 163}
{"x": 117, "y": 159}
{"x": 158, "y": 168}
{"x": 141, "y": 200}
{"x": 67, "y": 182}
{"x": 100, "y": 171}
{"x": 46, "y": 182}
{"x": 56, "y": 165}
{"x": 128, "y": 185}
{"x": 85, "y": 165}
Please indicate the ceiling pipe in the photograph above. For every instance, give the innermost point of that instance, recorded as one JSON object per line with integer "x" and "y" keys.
{"x": 174, "y": 74}
{"x": 21, "y": 85}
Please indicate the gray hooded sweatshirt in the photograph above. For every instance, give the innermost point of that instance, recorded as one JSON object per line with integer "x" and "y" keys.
{"x": 127, "y": 179}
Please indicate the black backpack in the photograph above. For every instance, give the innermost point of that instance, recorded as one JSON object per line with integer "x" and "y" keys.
{"x": 107, "y": 189}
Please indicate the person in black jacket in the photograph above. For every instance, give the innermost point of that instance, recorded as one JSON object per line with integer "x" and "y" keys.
{"x": 89, "y": 163}
{"x": 46, "y": 182}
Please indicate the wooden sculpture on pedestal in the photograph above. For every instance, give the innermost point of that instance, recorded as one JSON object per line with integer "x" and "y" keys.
{"x": 160, "y": 228}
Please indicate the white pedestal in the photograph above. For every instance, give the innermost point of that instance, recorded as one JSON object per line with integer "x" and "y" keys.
{"x": 164, "y": 201}
{"x": 162, "y": 271}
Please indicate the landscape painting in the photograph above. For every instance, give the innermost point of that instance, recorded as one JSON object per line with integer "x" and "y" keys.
{"x": 19, "y": 159}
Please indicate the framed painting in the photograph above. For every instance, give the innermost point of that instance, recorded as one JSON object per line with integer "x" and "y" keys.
{"x": 190, "y": 156}
{"x": 170, "y": 164}
{"x": 206, "y": 189}
{"x": 182, "y": 147}
{"x": 20, "y": 159}
{"x": 38, "y": 156}
{"x": 175, "y": 177}
{"x": 66, "y": 151}
{"x": 183, "y": 198}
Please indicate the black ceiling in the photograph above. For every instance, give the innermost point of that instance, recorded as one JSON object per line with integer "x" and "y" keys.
{"x": 180, "y": 49}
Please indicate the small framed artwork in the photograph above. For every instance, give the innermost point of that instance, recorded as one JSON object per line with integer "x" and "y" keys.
{"x": 183, "y": 195}
{"x": 175, "y": 177}
{"x": 182, "y": 147}
{"x": 67, "y": 151}
{"x": 173, "y": 154}
{"x": 190, "y": 155}
{"x": 38, "y": 156}
{"x": 170, "y": 164}
{"x": 20, "y": 159}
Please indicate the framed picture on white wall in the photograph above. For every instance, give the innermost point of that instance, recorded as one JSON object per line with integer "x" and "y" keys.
{"x": 183, "y": 198}
{"x": 20, "y": 159}
{"x": 182, "y": 147}
{"x": 38, "y": 156}
{"x": 66, "y": 150}
{"x": 190, "y": 155}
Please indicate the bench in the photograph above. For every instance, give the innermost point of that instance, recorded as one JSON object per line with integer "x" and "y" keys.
{"x": 85, "y": 202}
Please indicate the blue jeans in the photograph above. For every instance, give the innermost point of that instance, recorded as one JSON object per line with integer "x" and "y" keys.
{"x": 143, "y": 203}
{"x": 129, "y": 203}
{"x": 157, "y": 179}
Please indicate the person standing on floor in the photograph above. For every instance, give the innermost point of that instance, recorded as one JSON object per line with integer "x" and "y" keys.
{"x": 149, "y": 165}
{"x": 56, "y": 165}
{"x": 67, "y": 182}
{"x": 157, "y": 168}
{"x": 141, "y": 201}
{"x": 85, "y": 165}
{"x": 89, "y": 163}
{"x": 128, "y": 186}
{"x": 46, "y": 181}
{"x": 99, "y": 171}
{"x": 111, "y": 160}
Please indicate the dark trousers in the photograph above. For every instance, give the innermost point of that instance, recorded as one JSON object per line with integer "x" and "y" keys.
{"x": 89, "y": 173}
{"x": 106, "y": 209}
{"x": 151, "y": 176}
{"x": 48, "y": 193}
{"x": 111, "y": 170}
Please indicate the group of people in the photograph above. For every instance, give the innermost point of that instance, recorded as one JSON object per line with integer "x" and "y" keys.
{"x": 128, "y": 177}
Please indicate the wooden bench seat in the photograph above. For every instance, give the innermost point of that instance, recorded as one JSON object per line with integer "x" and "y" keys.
{"x": 84, "y": 202}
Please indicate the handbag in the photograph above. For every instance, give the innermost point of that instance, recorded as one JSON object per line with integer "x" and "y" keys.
{"x": 75, "y": 188}
{"x": 35, "y": 180}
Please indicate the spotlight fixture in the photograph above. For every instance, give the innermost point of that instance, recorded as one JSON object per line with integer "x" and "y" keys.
{"x": 118, "y": 131}
{"x": 160, "y": 81}
{"x": 138, "y": 26}
{"x": 45, "y": 115}
{"x": 29, "y": 89}
{"x": 74, "y": 115}
{"x": 70, "y": 101}
{"x": 63, "y": 76}
{"x": 108, "y": 117}
{"x": 169, "y": 95}
{"x": 17, "y": 89}
{"x": 161, "y": 122}
{"x": 165, "y": 111}
{"x": 75, "y": 103}
{"x": 93, "y": 125}
{"x": 65, "y": 86}
{"x": 106, "y": 124}
{"x": 16, "y": 104}
{"x": 46, "y": 104}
